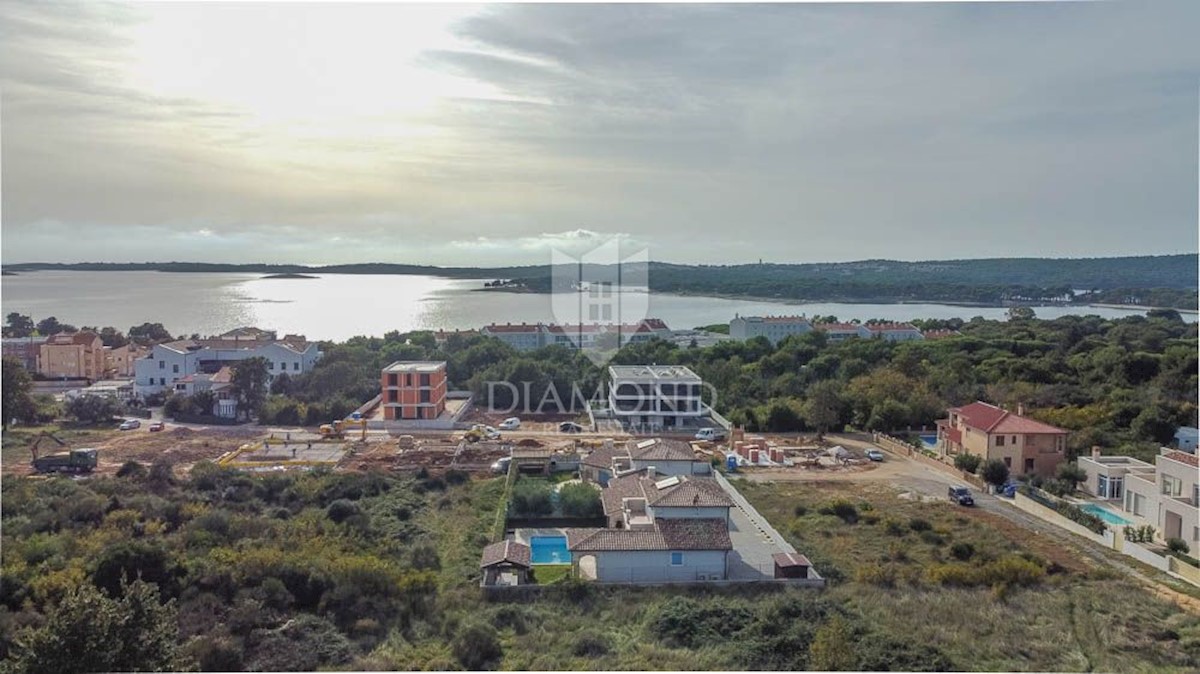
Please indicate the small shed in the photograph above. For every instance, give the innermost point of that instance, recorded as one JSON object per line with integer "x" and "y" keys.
{"x": 791, "y": 565}
{"x": 533, "y": 460}
{"x": 506, "y": 563}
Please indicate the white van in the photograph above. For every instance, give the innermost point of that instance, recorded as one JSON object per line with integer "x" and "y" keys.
{"x": 710, "y": 434}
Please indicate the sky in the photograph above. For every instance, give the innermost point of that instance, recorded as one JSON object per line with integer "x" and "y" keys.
{"x": 481, "y": 135}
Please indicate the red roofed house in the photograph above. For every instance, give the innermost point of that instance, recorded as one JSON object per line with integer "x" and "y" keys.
{"x": 990, "y": 432}
{"x": 895, "y": 332}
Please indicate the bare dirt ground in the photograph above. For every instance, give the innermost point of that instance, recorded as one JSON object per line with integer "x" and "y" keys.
{"x": 540, "y": 423}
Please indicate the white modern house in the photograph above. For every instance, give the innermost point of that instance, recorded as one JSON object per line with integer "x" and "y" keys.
{"x": 654, "y": 396}
{"x": 1165, "y": 495}
{"x": 171, "y": 362}
{"x": 774, "y": 328}
{"x": 529, "y": 336}
{"x": 669, "y": 457}
{"x": 836, "y": 332}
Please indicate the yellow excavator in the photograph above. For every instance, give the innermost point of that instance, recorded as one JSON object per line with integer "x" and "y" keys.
{"x": 336, "y": 430}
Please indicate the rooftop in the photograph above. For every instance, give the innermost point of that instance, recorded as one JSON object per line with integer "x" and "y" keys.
{"x": 506, "y": 551}
{"x": 423, "y": 366}
{"x": 675, "y": 372}
{"x": 668, "y": 534}
{"x": 1183, "y": 457}
{"x": 661, "y": 449}
{"x": 994, "y": 419}
{"x": 786, "y": 559}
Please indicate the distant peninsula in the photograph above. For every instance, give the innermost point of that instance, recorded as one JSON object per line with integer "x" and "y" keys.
{"x": 287, "y": 276}
{"x": 1143, "y": 281}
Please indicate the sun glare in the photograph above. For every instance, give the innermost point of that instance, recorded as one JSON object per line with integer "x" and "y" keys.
{"x": 330, "y": 70}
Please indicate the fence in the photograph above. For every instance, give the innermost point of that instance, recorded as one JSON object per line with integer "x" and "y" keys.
{"x": 1184, "y": 570}
{"x": 902, "y": 448}
{"x": 206, "y": 419}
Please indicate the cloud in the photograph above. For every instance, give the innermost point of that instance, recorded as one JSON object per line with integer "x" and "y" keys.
{"x": 710, "y": 133}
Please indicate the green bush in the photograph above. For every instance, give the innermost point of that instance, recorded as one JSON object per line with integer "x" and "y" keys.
{"x": 893, "y": 527}
{"x": 962, "y": 551}
{"x": 800, "y": 510}
{"x": 531, "y": 498}
{"x": 341, "y": 510}
{"x": 477, "y": 646}
{"x": 994, "y": 472}
{"x": 580, "y": 500}
{"x": 1178, "y": 545}
{"x": 968, "y": 463}
{"x": 844, "y": 510}
{"x": 918, "y": 524}
{"x": 590, "y": 645}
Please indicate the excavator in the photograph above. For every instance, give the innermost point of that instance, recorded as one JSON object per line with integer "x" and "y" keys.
{"x": 336, "y": 430}
{"x": 71, "y": 461}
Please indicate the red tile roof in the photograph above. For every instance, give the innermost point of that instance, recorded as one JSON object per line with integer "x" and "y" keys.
{"x": 508, "y": 551}
{"x": 939, "y": 334}
{"x": 837, "y": 326}
{"x": 786, "y": 559}
{"x": 1183, "y": 457}
{"x": 510, "y": 327}
{"x": 992, "y": 419}
{"x": 891, "y": 327}
{"x": 655, "y": 324}
{"x": 668, "y": 534}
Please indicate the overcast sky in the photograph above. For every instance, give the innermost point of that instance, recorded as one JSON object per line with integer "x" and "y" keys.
{"x": 468, "y": 135}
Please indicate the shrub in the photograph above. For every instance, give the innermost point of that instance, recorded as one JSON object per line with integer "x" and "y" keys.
{"x": 962, "y": 551}
{"x": 531, "y": 498}
{"x": 918, "y": 524}
{"x": 800, "y": 510}
{"x": 684, "y": 622}
{"x": 476, "y": 646}
{"x": 1178, "y": 545}
{"x": 455, "y": 476}
{"x": 580, "y": 500}
{"x": 893, "y": 527}
{"x": 968, "y": 463}
{"x": 341, "y": 510}
{"x": 883, "y": 575}
{"x": 590, "y": 645}
{"x": 844, "y": 510}
{"x": 132, "y": 470}
{"x": 932, "y": 537}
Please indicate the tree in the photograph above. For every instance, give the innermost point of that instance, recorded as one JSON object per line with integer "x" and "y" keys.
{"x": 282, "y": 384}
{"x": 1154, "y": 423}
{"x": 91, "y": 409}
{"x": 18, "y": 325}
{"x": 994, "y": 472}
{"x": 1071, "y": 474}
{"x": 250, "y": 384}
{"x": 580, "y": 500}
{"x": 832, "y": 647}
{"x": 204, "y": 401}
{"x": 823, "y": 407}
{"x": 112, "y": 337}
{"x": 51, "y": 326}
{"x": 968, "y": 463}
{"x": 90, "y": 632}
{"x": 149, "y": 332}
{"x": 782, "y": 417}
{"x": 17, "y": 403}
{"x": 1019, "y": 313}
{"x": 477, "y": 646}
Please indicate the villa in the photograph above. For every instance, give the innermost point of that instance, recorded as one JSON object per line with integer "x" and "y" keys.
{"x": 1164, "y": 495}
{"x": 1027, "y": 446}
{"x": 669, "y": 457}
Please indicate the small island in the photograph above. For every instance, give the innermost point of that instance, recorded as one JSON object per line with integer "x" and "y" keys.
{"x": 288, "y": 276}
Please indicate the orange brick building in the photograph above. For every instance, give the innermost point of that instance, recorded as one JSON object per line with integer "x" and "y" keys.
{"x": 413, "y": 390}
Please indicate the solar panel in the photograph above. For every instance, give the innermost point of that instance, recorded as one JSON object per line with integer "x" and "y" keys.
{"x": 646, "y": 443}
{"x": 669, "y": 482}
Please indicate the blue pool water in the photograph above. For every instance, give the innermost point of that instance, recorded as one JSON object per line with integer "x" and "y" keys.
{"x": 549, "y": 550}
{"x": 1103, "y": 513}
{"x": 929, "y": 440}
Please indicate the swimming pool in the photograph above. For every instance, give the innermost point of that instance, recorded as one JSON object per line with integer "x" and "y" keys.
{"x": 929, "y": 440}
{"x": 1103, "y": 513}
{"x": 549, "y": 550}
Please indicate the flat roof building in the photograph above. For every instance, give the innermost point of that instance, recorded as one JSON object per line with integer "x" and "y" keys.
{"x": 413, "y": 389}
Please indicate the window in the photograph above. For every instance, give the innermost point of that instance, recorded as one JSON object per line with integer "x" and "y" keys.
{"x": 162, "y": 364}
{"x": 296, "y": 365}
{"x": 1028, "y": 465}
{"x": 424, "y": 395}
{"x": 999, "y": 440}
{"x": 676, "y": 559}
{"x": 424, "y": 380}
{"x": 175, "y": 368}
{"x": 1014, "y": 439}
{"x": 162, "y": 381}
{"x": 270, "y": 365}
{"x": 1171, "y": 486}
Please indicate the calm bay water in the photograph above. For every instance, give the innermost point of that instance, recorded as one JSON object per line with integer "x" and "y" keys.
{"x": 336, "y": 307}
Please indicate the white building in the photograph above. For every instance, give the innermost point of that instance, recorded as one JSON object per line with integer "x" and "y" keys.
{"x": 170, "y": 362}
{"x": 774, "y": 328}
{"x": 895, "y": 332}
{"x": 529, "y": 336}
{"x": 654, "y": 396}
{"x": 836, "y": 332}
{"x": 521, "y": 336}
{"x": 1165, "y": 495}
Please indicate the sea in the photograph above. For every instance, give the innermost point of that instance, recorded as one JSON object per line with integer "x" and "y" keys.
{"x": 339, "y": 306}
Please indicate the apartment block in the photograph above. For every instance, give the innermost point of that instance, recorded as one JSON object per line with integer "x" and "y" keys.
{"x": 413, "y": 390}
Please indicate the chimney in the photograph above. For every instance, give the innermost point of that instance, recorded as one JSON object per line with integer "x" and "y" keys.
{"x": 1020, "y": 409}
{"x": 651, "y": 472}
{"x": 1095, "y": 451}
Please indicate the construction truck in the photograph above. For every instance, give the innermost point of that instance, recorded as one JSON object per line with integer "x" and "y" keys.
{"x": 71, "y": 461}
{"x": 336, "y": 430}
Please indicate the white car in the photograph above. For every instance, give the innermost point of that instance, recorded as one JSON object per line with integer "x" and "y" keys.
{"x": 130, "y": 424}
{"x": 874, "y": 455}
{"x": 510, "y": 424}
{"x": 710, "y": 434}
{"x": 501, "y": 465}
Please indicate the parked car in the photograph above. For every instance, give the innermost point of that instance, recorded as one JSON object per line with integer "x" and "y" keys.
{"x": 510, "y": 424}
{"x": 710, "y": 434}
{"x": 501, "y": 466}
{"x": 156, "y": 426}
{"x": 569, "y": 427}
{"x": 130, "y": 424}
{"x": 961, "y": 496}
{"x": 874, "y": 455}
